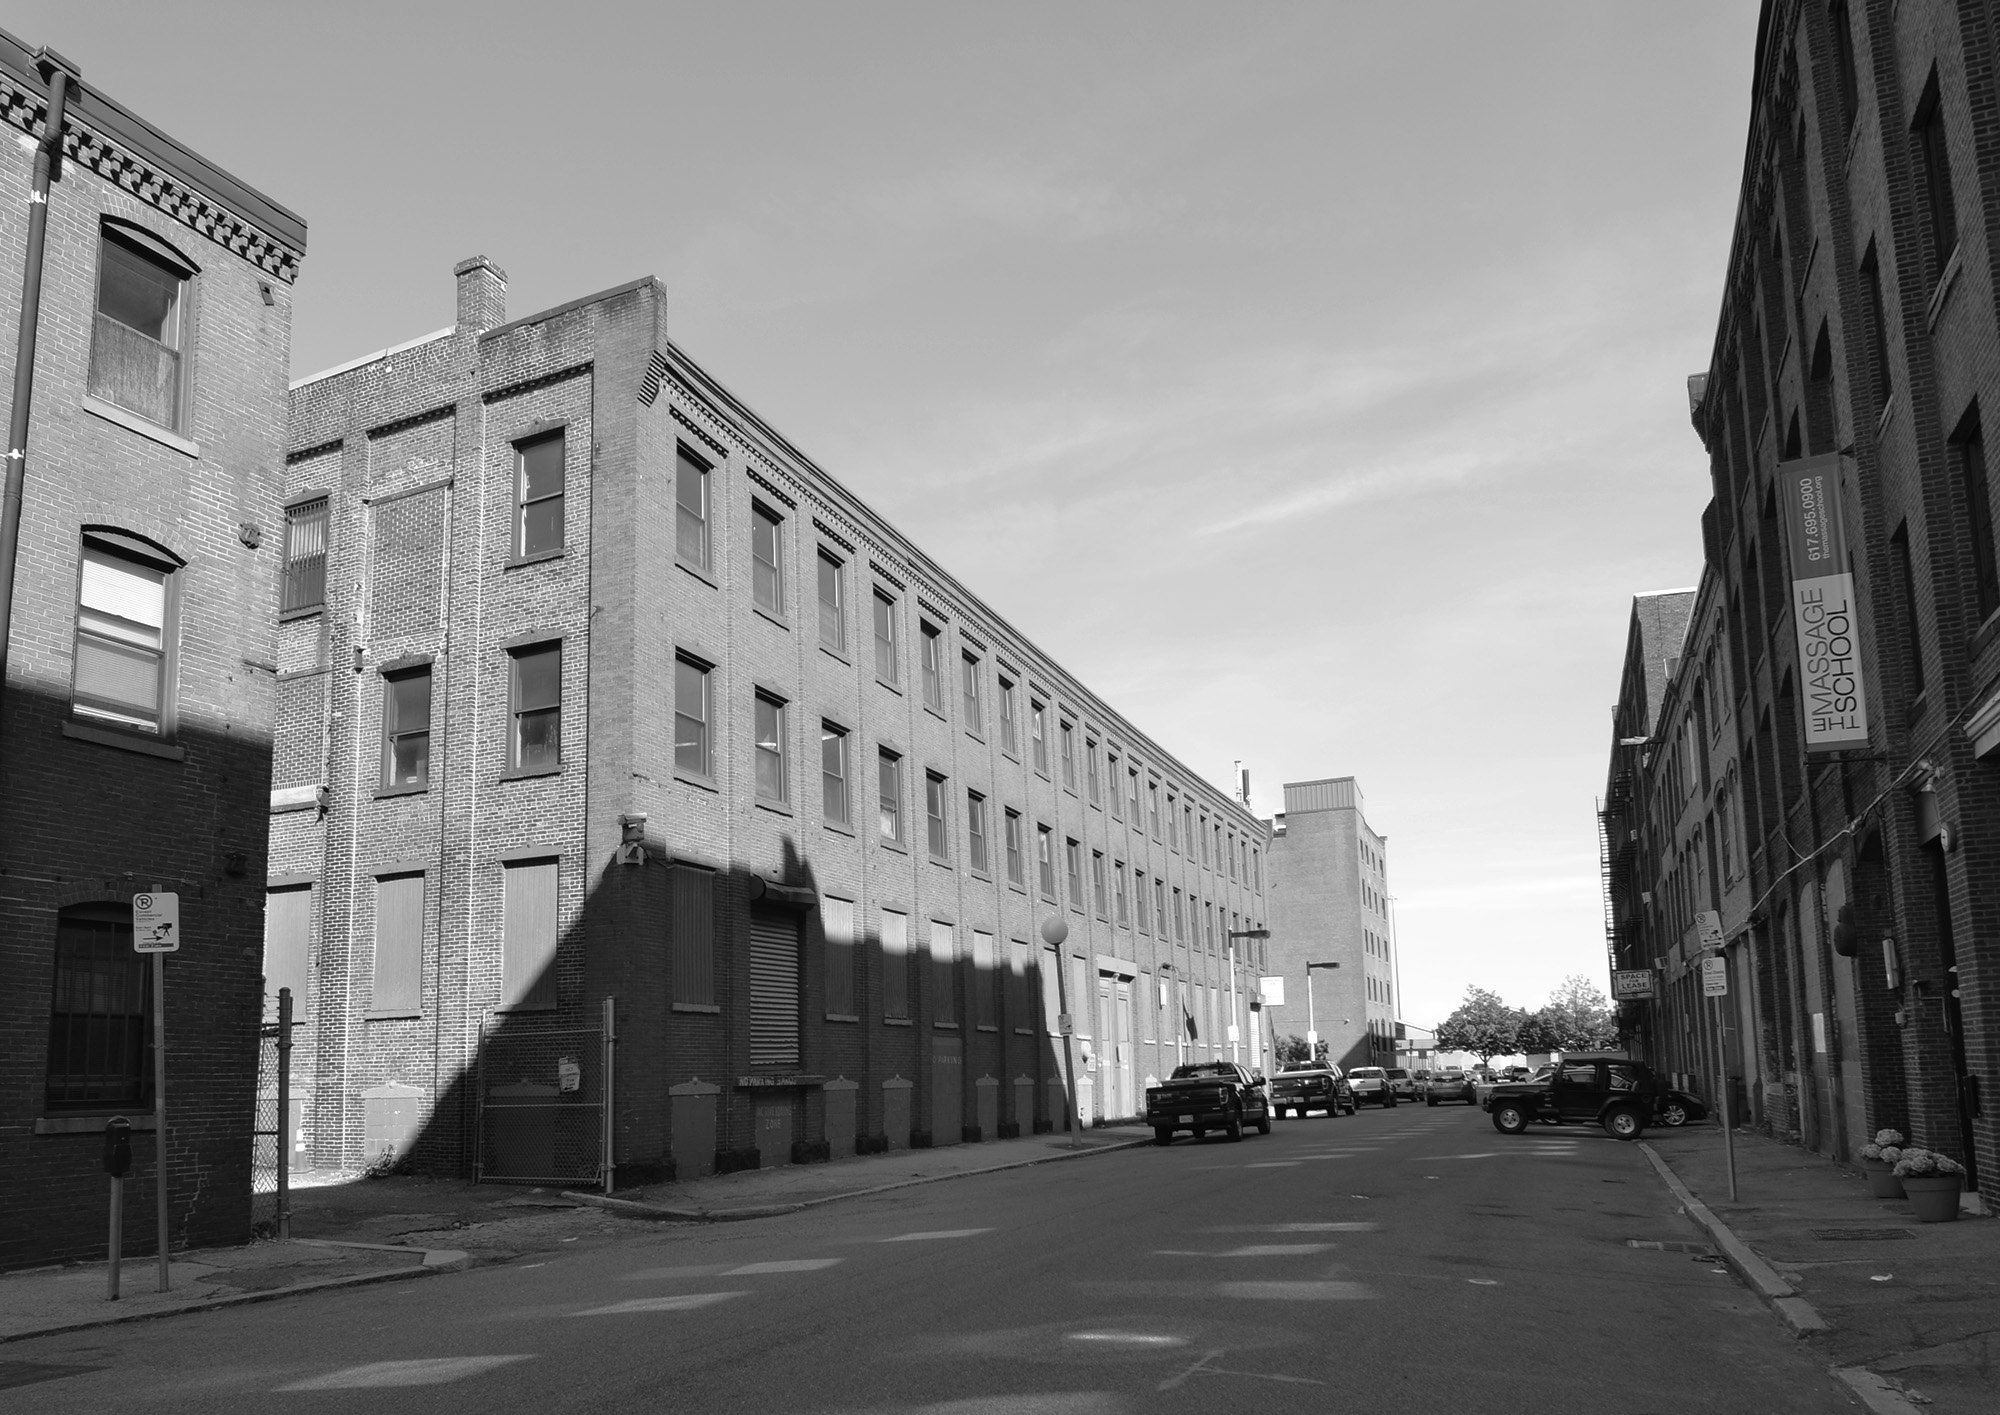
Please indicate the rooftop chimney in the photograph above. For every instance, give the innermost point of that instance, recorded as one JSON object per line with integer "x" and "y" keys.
{"x": 482, "y": 295}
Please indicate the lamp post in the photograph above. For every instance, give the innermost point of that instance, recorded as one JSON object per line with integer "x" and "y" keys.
{"x": 1312, "y": 1030}
{"x": 1054, "y": 931}
{"x": 1230, "y": 936}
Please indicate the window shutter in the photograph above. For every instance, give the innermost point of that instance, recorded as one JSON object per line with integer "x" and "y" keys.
{"x": 837, "y": 916}
{"x": 944, "y": 973}
{"x": 985, "y": 999}
{"x": 694, "y": 936}
{"x": 895, "y": 964}
{"x": 399, "y": 944}
{"x": 774, "y": 989}
{"x": 288, "y": 915}
{"x": 528, "y": 950}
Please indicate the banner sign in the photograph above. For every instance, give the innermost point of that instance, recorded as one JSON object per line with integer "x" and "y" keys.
{"x": 1631, "y": 984}
{"x": 1833, "y": 698}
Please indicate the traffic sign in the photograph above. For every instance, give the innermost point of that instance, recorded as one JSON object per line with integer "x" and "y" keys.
{"x": 1708, "y": 928}
{"x": 1714, "y": 977}
{"x": 156, "y": 923}
{"x": 1632, "y": 984}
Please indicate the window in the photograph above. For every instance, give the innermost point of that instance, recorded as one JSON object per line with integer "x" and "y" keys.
{"x": 406, "y": 729}
{"x": 694, "y": 750}
{"x": 1139, "y": 898}
{"x": 1173, "y": 822}
{"x": 1187, "y": 827}
{"x": 1132, "y": 782}
{"x": 538, "y": 495}
{"x": 1844, "y": 70}
{"x": 770, "y": 748}
{"x": 1160, "y": 904}
{"x": 1009, "y": 742}
{"x": 1906, "y": 586}
{"x": 536, "y": 742}
{"x": 767, "y": 566}
{"x": 832, "y": 603}
{"x": 691, "y": 509}
{"x": 1093, "y": 783}
{"x": 833, "y": 775}
{"x": 1038, "y": 733}
{"x": 305, "y": 557}
{"x": 124, "y": 603}
{"x": 1878, "y": 328}
{"x": 1256, "y": 870}
{"x": 933, "y": 665}
{"x": 975, "y": 830}
{"x": 100, "y": 1016}
{"x": 1016, "y": 866}
{"x": 1111, "y": 770}
{"x": 140, "y": 331}
{"x": 1045, "y": 860}
{"x": 1153, "y": 807}
{"x": 1180, "y": 920}
{"x": 528, "y": 944}
{"x": 889, "y": 792}
{"x": 1232, "y": 857}
{"x": 1067, "y": 733}
{"x": 944, "y": 975}
{"x": 968, "y": 684}
{"x": 1100, "y": 891}
{"x": 885, "y": 637}
{"x": 837, "y": 924}
{"x": 694, "y": 937}
{"x": 895, "y": 964}
{"x": 288, "y": 930}
{"x": 1934, "y": 161}
{"x": 937, "y": 821}
{"x": 1968, "y": 446}
{"x": 1118, "y": 891}
{"x": 1204, "y": 840}
{"x": 1073, "y": 868}
{"x": 985, "y": 982}
{"x": 397, "y": 987}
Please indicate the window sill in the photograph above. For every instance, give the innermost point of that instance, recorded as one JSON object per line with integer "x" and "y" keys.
{"x": 132, "y": 422}
{"x": 838, "y": 829}
{"x": 985, "y": 876}
{"x": 1018, "y": 888}
{"x": 523, "y": 773}
{"x": 895, "y": 1021}
{"x": 986, "y": 1027}
{"x": 944, "y": 1026}
{"x": 838, "y": 655}
{"x": 1024, "y": 1031}
{"x": 937, "y": 713}
{"x": 515, "y": 562}
{"x": 842, "y": 1017}
{"x": 1010, "y": 755}
{"x": 1941, "y": 296}
{"x": 706, "y": 1009}
{"x": 940, "y": 862}
{"x": 402, "y": 1015}
{"x": 776, "y": 808}
{"x": 976, "y": 735}
{"x": 697, "y": 572}
{"x": 885, "y": 683}
{"x": 387, "y": 791}
{"x": 896, "y": 845}
{"x": 308, "y": 611}
{"x": 700, "y": 783}
{"x": 771, "y": 617}
{"x": 124, "y": 741}
{"x": 93, "y": 1122}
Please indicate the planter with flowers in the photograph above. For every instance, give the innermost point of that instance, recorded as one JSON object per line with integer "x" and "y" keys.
{"x": 1931, "y": 1181}
{"x": 1878, "y": 1162}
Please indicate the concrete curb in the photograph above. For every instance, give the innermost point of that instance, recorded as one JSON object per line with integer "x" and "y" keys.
{"x": 631, "y": 1208}
{"x": 1763, "y": 1279}
{"x": 435, "y": 1260}
{"x": 1876, "y": 1393}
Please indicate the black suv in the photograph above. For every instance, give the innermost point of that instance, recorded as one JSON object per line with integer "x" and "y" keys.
{"x": 1613, "y": 1091}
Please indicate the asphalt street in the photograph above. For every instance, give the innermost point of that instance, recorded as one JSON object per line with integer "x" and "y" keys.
{"x": 1411, "y": 1259}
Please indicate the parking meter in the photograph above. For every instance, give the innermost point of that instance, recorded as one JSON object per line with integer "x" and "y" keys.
{"x": 117, "y": 1147}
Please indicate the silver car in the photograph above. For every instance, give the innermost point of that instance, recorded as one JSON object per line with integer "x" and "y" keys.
{"x": 1370, "y": 1085}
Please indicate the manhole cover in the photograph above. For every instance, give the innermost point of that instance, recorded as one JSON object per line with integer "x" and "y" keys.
{"x": 1862, "y": 1235}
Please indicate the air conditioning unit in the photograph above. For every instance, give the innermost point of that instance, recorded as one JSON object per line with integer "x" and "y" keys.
{"x": 1645, "y": 896}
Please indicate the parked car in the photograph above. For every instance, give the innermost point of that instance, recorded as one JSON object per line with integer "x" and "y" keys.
{"x": 1371, "y": 1083}
{"x": 1677, "y": 1107}
{"x": 1208, "y": 1095}
{"x": 1613, "y": 1091}
{"x": 1401, "y": 1082}
{"x": 1515, "y": 1073}
{"x": 1311, "y": 1088}
{"x": 1450, "y": 1084}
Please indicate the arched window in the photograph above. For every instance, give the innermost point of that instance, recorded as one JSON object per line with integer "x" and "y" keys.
{"x": 100, "y": 1016}
{"x": 140, "y": 339}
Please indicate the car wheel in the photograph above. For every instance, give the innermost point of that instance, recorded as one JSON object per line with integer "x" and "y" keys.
{"x": 1624, "y": 1123}
{"x": 1200, "y": 1134}
{"x": 1673, "y": 1113}
{"x": 1234, "y": 1130}
{"x": 1430, "y": 1100}
{"x": 1163, "y": 1134}
{"x": 1264, "y": 1124}
{"x": 1389, "y": 1101}
{"x": 1509, "y": 1119}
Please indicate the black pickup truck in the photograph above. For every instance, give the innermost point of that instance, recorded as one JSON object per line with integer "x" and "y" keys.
{"x": 1613, "y": 1091}
{"x": 1208, "y": 1095}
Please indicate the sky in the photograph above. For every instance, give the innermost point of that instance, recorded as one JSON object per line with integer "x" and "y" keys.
{"x": 1308, "y": 379}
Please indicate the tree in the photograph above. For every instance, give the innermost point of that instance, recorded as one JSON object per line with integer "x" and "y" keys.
{"x": 1293, "y": 1053}
{"x": 1579, "y": 1017}
{"x": 1537, "y": 1034}
{"x": 1482, "y": 1025}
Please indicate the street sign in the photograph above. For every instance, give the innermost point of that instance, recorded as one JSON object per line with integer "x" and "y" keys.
{"x": 1631, "y": 984}
{"x": 1714, "y": 977}
{"x": 156, "y": 923}
{"x": 1062, "y": 1024}
{"x": 1708, "y": 928}
{"x": 1272, "y": 991}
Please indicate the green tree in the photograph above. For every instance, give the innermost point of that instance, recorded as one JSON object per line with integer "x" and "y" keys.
{"x": 1536, "y": 1033}
{"x": 1482, "y": 1025}
{"x": 1293, "y": 1053}
{"x": 1579, "y": 1017}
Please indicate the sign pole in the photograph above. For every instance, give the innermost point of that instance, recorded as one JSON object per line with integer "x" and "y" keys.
{"x": 117, "y": 1238}
{"x": 1715, "y": 984}
{"x": 1722, "y": 1085}
{"x": 284, "y": 1215}
{"x": 160, "y": 1104}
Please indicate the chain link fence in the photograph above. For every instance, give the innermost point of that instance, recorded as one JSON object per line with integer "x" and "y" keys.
{"x": 541, "y": 1102}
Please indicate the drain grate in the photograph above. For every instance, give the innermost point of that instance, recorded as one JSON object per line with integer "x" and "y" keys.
{"x": 1861, "y": 1235}
{"x": 1655, "y": 1245}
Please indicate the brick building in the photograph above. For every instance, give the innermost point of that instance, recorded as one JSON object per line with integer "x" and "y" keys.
{"x": 1842, "y": 413}
{"x": 594, "y": 686}
{"x": 135, "y": 728}
{"x": 1329, "y": 903}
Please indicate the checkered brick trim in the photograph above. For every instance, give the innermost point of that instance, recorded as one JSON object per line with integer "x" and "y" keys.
{"x": 93, "y": 151}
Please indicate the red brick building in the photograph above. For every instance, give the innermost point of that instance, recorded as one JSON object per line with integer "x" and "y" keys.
{"x": 140, "y": 684}
{"x": 592, "y": 686}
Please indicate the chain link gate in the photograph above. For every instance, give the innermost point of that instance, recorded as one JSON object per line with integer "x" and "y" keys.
{"x": 274, "y": 1124}
{"x": 545, "y": 1101}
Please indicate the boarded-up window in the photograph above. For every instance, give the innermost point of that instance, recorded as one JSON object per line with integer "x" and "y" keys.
{"x": 774, "y": 989}
{"x": 837, "y": 915}
{"x": 1020, "y": 1009}
{"x": 1079, "y": 1000}
{"x": 944, "y": 974}
{"x": 985, "y": 986}
{"x": 399, "y": 946}
{"x": 1148, "y": 1006}
{"x": 895, "y": 964}
{"x": 1051, "y": 992}
{"x": 288, "y": 915}
{"x": 694, "y": 936}
{"x": 528, "y": 961}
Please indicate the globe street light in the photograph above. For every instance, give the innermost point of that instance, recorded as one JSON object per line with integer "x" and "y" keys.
{"x": 1054, "y": 931}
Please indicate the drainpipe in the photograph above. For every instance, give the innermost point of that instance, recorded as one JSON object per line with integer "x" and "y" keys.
{"x": 58, "y": 72}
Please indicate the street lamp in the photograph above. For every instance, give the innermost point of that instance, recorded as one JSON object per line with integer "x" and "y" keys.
{"x": 1054, "y": 931}
{"x": 1230, "y": 936}
{"x": 1312, "y": 1033}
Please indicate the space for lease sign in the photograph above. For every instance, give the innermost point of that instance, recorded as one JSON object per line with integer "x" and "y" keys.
{"x": 1833, "y": 701}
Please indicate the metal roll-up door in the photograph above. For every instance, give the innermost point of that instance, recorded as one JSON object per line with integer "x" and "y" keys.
{"x": 774, "y": 989}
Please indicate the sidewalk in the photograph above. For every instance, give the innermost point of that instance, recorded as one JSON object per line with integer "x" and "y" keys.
{"x": 1907, "y": 1313}
{"x": 348, "y": 1230}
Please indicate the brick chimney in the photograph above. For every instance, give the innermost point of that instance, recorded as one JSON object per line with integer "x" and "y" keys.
{"x": 482, "y": 295}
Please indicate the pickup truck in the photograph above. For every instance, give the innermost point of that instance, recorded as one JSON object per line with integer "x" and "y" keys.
{"x": 1311, "y": 1088}
{"x": 1208, "y": 1095}
{"x": 1613, "y": 1091}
